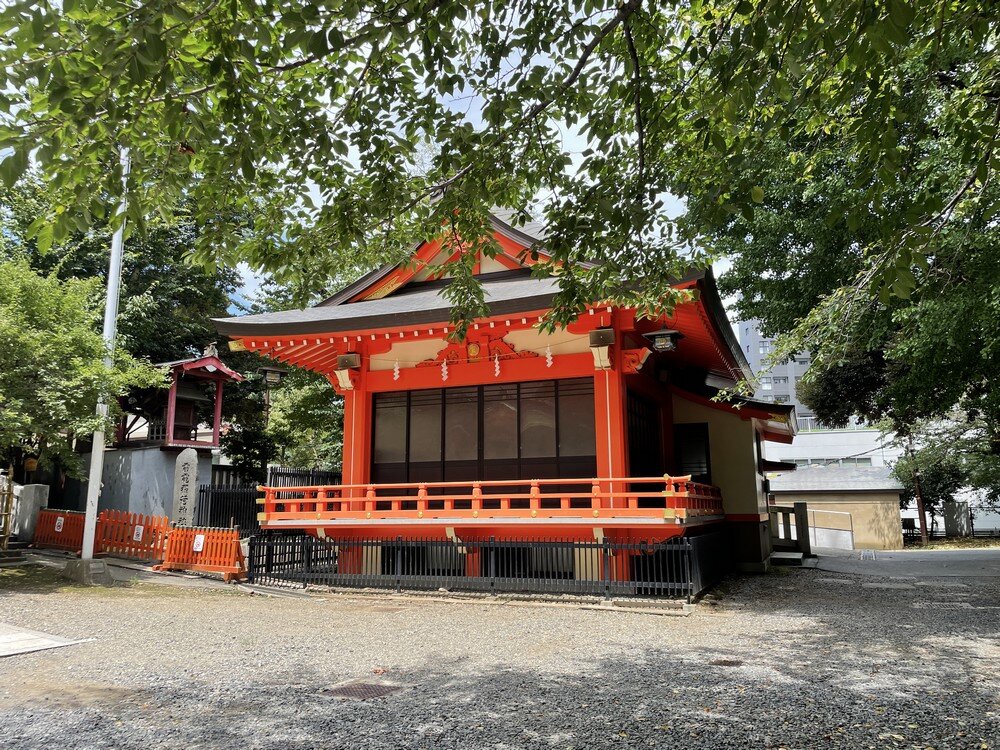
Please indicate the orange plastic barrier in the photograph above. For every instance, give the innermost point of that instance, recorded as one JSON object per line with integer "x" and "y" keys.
{"x": 206, "y": 550}
{"x": 127, "y": 534}
{"x": 59, "y": 529}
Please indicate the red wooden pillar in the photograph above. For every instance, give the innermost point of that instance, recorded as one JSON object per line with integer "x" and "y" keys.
{"x": 171, "y": 409}
{"x": 217, "y": 423}
{"x": 473, "y": 564}
{"x": 621, "y": 565}
{"x": 609, "y": 416}
{"x": 357, "y": 438}
{"x": 350, "y": 559}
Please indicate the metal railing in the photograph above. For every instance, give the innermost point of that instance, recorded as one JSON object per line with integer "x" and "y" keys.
{"x": 280, "y": 476}
{"x": 228, "y": 506}
{"x": 231, "y": 501}
{"x": 639, "y": 499}
{"x": 678, "y": 568}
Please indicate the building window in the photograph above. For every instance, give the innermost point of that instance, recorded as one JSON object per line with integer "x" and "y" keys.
{"x": 536, "y": 430}
{"x": 500, "y": 418}
{"x": 390, "y": 429}
{"x": 425, "y": 426}
{"x": 538, "y": 419}
{"x": 779, "y": 380}
{"x": 691, "y": 451}
{"x": 765, "y": 347}
{"x": 765, "y": 384}
{"x": 461, "y": 424}
{"x": 576, "y": 418}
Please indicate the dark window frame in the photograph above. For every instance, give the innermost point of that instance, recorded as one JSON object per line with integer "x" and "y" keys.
{"x": 528, "y": 467}
{"x": 685, "y": 432}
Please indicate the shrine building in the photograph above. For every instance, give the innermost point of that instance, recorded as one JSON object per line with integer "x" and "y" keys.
{"x": 605, "y": 429}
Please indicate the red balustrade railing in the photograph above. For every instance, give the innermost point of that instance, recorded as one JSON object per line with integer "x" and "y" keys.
{"x": 664, "y": 498}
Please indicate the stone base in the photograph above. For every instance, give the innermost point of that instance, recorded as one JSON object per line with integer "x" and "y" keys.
{"x": 88, "y": 572}
{"x": 751, "y": 545}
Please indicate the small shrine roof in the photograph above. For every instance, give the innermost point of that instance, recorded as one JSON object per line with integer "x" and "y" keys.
{"x": 209, "y": 363}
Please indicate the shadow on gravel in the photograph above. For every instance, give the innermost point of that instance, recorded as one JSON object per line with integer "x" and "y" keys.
{"x": 834, "y": 666}
{"x": 32, "y": 579}
{"x": 673, "y": 700}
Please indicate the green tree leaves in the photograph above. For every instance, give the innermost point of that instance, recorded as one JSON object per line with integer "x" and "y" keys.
{"x": 52, "y": 363}
{"x": 314, "y": 118}
{"x": 166, "y": 303}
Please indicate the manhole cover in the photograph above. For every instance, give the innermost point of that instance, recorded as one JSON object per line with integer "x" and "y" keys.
{"x": 726, "y": 663}
{"x": 362, "y": 691}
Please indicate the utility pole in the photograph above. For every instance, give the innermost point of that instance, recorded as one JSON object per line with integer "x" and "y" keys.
{"x": 110, "y": 332}
{"x": 917, "y": 494}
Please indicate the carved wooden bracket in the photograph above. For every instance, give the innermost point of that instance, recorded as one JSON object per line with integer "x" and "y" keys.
{"x": 344, "y": 380}
{"x": 483, "y": 348}
{"x": 634, "y": 359}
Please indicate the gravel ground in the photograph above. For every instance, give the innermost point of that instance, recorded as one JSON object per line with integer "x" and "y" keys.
{"x": 795, "y": 659}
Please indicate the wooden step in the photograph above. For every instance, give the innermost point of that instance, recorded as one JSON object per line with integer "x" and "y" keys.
{"x": 786, "y": 558}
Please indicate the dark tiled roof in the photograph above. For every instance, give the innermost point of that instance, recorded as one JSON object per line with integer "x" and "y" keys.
{"x": 837, "y": 479}
{"x": 412, "y": 308}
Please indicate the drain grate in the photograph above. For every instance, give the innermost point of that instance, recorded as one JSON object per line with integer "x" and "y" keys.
{"x": 726, "y": 663}
{"x": 362, "y": 691}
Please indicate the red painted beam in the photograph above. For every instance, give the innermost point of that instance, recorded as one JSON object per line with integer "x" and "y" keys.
{"x": 513, "y": 370}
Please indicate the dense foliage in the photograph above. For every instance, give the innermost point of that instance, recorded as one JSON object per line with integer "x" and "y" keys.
{"x": 307, "y": 422}
{"x": 589, "y": 111}
{"x": 948, "y": 456}
{"x": 52, "y": 363}
{"x": 165, "y": 314}
{"x": 924, "y": 358}
{"x": 298, "y": 423}
{"x": 166, "y": 303}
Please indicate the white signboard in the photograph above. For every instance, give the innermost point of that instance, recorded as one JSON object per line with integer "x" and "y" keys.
{"x": 59, "y": 524}
{"x": 199, "y": 542}
{"x": 137, "y": 534}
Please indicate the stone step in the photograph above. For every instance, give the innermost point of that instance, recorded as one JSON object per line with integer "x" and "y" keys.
{"x": 786, "y": 558}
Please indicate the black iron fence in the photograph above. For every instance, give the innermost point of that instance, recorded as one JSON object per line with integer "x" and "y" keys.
{"x": 679, "y": 568}
{"x": 228, "y": 506}
{"x": 229, "y": 476}
{"x": 231, "y": 499}
{"x": 278, "y": 476}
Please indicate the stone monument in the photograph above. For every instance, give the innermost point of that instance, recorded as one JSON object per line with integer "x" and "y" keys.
{"x": 185, "y": 487}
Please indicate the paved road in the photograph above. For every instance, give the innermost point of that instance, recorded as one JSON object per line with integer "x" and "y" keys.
{"x": 957, "y": 562}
